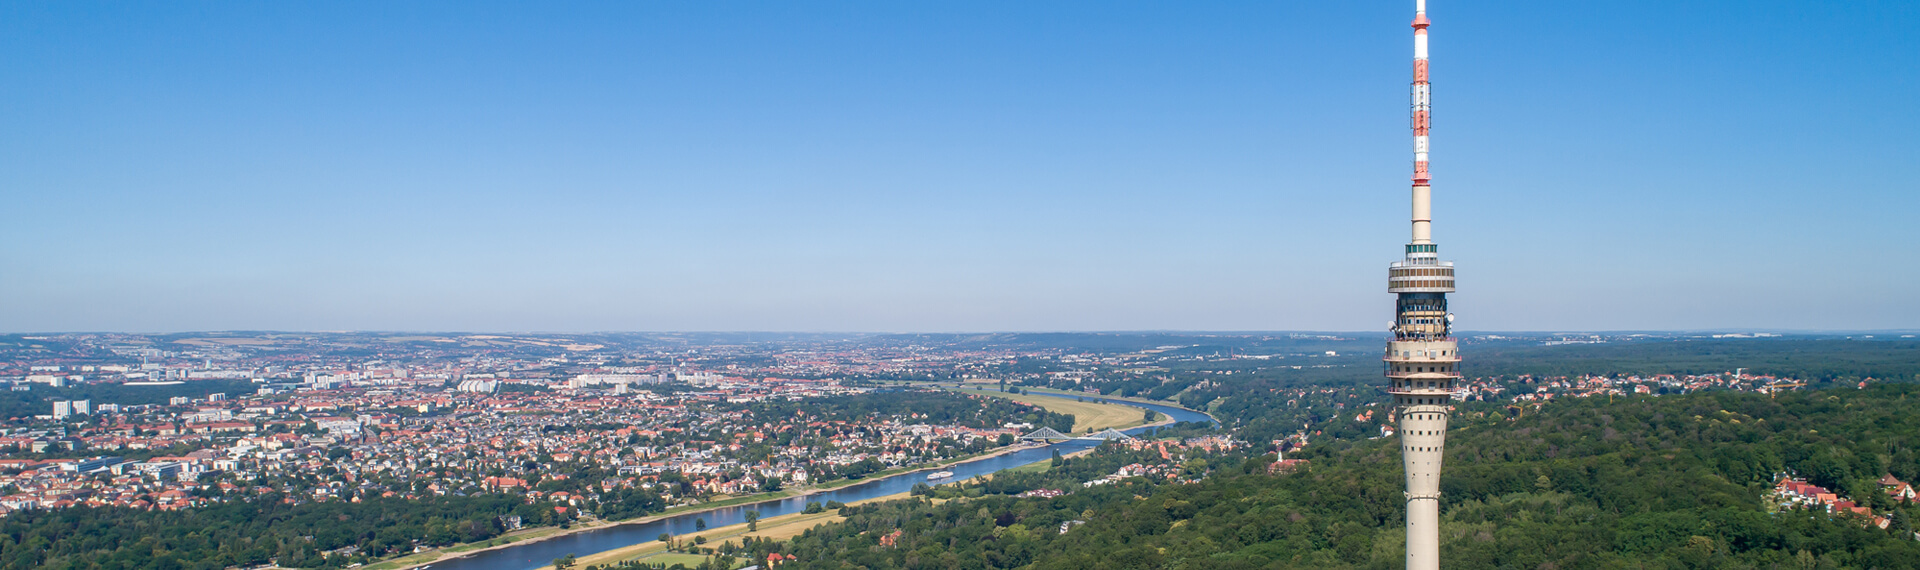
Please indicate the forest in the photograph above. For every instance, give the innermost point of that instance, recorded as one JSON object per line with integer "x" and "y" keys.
{"x": 1644, "y": 482}
{"x": 248, "y": 533}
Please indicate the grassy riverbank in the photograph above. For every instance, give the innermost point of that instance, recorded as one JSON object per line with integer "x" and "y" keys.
{"x": 1086, "y": 415}
{"x": 506, "y": 540}
{"x": 417, "y": 559}
{"x": 1059, "y": 392}
{"x": 778, "y": 528}
{"x": 427, "y": 557}
{"x": 1168, "y": 403}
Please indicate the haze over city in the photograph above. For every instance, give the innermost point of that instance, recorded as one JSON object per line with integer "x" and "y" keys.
{"x": 913, "y": 167}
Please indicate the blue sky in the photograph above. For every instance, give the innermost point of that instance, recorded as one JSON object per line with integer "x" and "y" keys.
{"x": 976, "y": 166}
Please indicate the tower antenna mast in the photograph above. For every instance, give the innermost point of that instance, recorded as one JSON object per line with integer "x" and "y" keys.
{"x": 1423, "y": 357}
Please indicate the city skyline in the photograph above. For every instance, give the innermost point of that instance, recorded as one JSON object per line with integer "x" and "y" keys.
{"x": 888, "y": 168}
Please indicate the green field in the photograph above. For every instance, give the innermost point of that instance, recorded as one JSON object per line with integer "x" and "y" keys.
{"x": 1086, "y": 415}
{"x": 672, "y": 558}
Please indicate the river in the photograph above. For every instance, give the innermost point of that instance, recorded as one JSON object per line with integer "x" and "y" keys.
{"x": 536, "y": 554}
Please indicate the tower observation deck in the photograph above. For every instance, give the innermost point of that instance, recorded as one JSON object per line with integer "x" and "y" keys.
{"x": 1422, "y": 361}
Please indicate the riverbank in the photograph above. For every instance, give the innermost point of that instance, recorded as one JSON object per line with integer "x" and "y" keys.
{"x": 992, "y": 389}
{"x": 889, "y": 481}
{"x": 515, "y": 538}
{"x": 1086, "y": 415}
{"x": 780, "y": 527}
{"x": 522, "y": 538}
{"x": 1136, "y": 400}
{"x": 777, "y": 528}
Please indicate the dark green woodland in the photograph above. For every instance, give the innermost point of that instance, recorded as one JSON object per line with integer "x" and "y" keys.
{"x": 1646, "y": 482}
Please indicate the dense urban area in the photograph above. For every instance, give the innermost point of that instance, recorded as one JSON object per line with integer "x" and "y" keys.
{"x": 241, "y": 450}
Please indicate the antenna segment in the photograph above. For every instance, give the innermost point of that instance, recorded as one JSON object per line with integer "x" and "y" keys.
{"x": 1422, "y": 360}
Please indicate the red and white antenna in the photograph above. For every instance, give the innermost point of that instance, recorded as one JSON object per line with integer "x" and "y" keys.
{"x": 1423, "y": 358}
{"x": 1422, "y": 120}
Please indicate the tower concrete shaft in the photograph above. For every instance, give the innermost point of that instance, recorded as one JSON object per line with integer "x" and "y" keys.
{"x": 1422, "y": 360}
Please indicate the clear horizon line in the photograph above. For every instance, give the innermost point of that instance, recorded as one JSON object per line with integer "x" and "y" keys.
{"x": 1462, "y": 333}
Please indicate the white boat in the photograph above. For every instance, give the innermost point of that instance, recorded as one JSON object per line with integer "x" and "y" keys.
{"x": 939, "y": 475}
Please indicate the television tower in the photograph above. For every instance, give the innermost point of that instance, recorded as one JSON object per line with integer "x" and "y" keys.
{"x": 1422, "y": 359}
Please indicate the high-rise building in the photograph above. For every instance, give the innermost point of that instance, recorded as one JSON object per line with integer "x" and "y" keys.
{"x": 1423, "y": 358}
{"x": 84, "y": 407}
{"x": 62, "y": 409}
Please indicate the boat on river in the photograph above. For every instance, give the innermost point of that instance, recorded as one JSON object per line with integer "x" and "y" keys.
{"x": 939, "y": 475}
